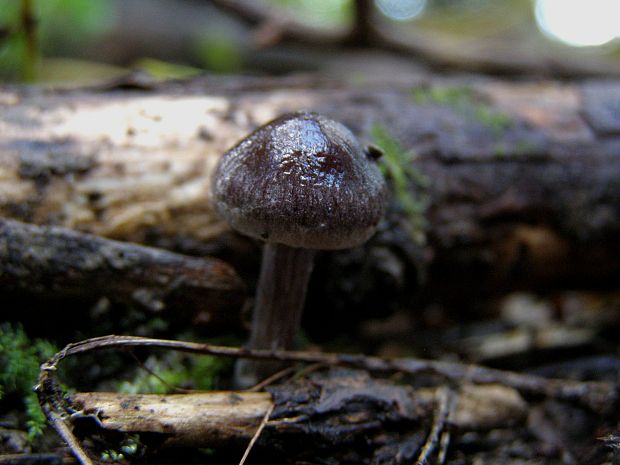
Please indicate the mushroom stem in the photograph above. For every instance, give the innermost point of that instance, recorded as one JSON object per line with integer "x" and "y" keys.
{"x": 284, "y": 275}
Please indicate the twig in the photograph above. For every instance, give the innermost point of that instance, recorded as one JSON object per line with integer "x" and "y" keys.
{"x": 257, "y": 434}
{"x": 444, "y": 404}
{"x": 444, "y": 443}
{"x": 272, "y": 379}
{"x": 297, "y": 373}
{"x": 57, "y": 422}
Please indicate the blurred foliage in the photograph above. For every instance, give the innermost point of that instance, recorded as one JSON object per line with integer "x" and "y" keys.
{"x": 72, "y": 72}
{"x": 476, "y": 18}
{"x": 62, "y": 26}
{"x": 319, "y": 13}
{"x": 68, "y": 29}
{"x": 409, "y": 186}
{"x": 20, "y": 358}
{"x": 218, "y": 50}
{"x": 160, "y": 70}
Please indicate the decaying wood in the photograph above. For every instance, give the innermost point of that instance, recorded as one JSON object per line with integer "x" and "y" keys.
{"x": 323, "y": 402}
{"x": 197, "y": 420}
{"x": 58, "y": 261}
{"x": 523, "y": 175}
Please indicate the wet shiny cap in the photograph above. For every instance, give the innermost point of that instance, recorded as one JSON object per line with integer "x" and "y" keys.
{"x": 302, "y": 180}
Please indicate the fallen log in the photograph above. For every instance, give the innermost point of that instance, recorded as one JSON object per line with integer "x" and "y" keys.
{"x": 522, "y": 177}
{"x": 55, "y": 261}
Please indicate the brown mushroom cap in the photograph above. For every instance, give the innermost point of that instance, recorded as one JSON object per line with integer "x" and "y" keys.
{"x": 302, "y": 180}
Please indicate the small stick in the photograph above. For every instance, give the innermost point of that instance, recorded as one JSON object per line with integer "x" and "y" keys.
{"x": 444, "y": 443}
{"x": 272, "y": 379}
{"x": 57, "y": 422}
{"x": 257, "y": 434}
{"x": 444, "y": 403}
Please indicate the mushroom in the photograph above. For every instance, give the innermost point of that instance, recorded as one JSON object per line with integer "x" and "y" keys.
{"x": 300, "y": 183}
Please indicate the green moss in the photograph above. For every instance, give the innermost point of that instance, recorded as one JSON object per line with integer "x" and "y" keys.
{"x": 408, "y": 184}
{"x": 464, "y": 101}
{"x": 87, "y": 21}
{"x": 220, "y": 51}
{"x": 450, "y": 96}
{"x": 323, "y": 14}
{"x": 20, "y": 358}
